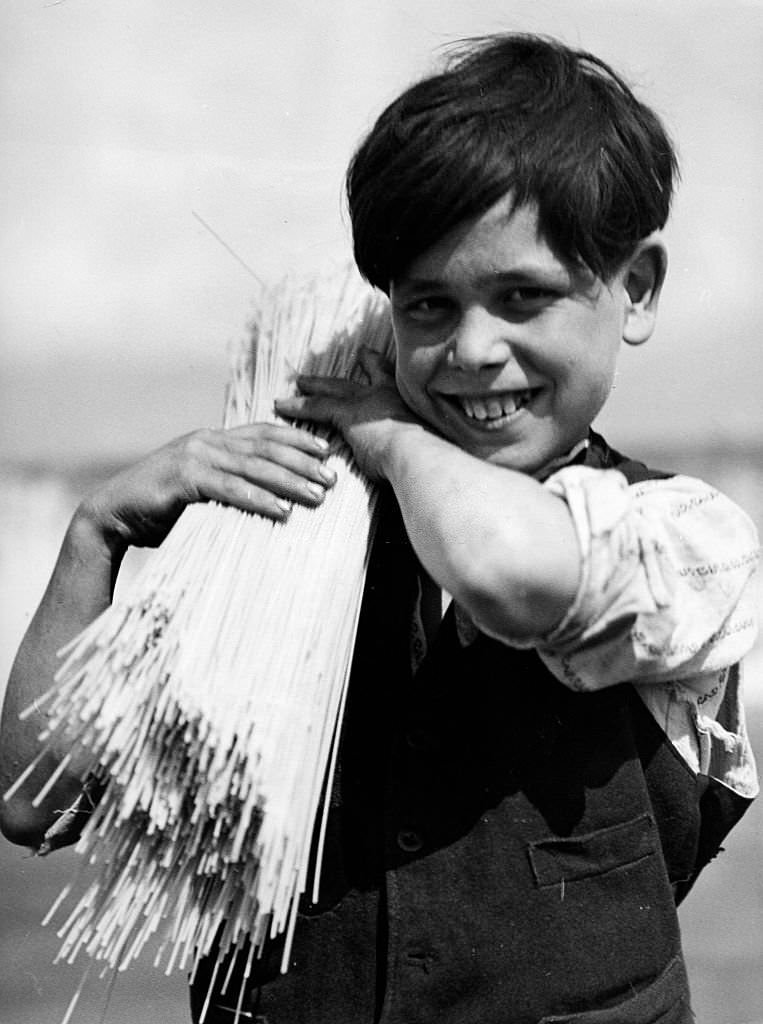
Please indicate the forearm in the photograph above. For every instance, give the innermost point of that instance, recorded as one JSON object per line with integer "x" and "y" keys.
{"x": 495, "y": 539}
{"x": 79, "y": 590}
{"x": 258, "y": 467}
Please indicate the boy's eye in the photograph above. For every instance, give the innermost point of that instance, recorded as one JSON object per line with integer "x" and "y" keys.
{"x": 517, "y": 300}
{"x": 527, "y": 296}
{"x": 428, "y": 309}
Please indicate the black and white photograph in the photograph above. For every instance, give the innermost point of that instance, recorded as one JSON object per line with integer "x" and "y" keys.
{"x": 381, "y": 492}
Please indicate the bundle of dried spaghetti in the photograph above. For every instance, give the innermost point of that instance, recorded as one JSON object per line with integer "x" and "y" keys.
{"x": 210, "y": 695}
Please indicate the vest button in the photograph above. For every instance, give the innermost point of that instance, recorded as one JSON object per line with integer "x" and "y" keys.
{"x": 409, "y": 840}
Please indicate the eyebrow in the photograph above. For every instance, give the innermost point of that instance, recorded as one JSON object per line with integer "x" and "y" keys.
{"x": 527, "y": 274}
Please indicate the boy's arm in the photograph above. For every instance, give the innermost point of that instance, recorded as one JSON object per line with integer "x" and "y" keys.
{"x": 78, "y": 591}
{"x": 259, "y": 468}
{"x": 496, "y": 540}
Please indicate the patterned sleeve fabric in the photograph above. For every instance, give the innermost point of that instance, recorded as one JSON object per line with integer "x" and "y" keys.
{"x": 667, "y": 600}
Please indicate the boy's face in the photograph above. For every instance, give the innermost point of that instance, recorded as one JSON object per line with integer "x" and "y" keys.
{"x": 501, "y": 347}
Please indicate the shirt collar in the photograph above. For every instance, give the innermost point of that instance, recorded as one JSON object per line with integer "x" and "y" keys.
{"x": 563, "y": 460}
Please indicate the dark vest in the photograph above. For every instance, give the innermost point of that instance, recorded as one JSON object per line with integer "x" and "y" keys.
{"x": 501, "y": 849}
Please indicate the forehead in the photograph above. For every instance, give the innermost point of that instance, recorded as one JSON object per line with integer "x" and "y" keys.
{"x": 505, "y": 240}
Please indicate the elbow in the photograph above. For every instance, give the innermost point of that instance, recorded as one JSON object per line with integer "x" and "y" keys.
{"x": 22, "y": 824}
{"x": 520, "y": 608}
{"x": 24, "y": 817}
{"x": 519, "y": 620}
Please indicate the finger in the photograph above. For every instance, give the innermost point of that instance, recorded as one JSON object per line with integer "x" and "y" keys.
{"x": 330, "y": 387}
{"x": 251, "y": 455}
{"x": 280, "y": 480}
{"x": 280, "y": 433}
{"x": 313, "y": 408}
{"x": 207, "y": 462}
{"x": 230, "y": 489}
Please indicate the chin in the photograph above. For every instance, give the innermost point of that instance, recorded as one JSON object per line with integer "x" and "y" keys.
{"x": 525, "y": 458}
{"x": 516, "y": 457}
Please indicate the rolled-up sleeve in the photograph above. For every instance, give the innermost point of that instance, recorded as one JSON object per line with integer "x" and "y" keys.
{"x": 667, "y": 600}
{"x": 667, "y": 588}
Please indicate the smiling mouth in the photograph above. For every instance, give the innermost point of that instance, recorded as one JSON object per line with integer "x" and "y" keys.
{"x": 492, "y": 410}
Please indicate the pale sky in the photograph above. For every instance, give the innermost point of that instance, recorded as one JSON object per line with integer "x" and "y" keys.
{"x": 120, "y": 121}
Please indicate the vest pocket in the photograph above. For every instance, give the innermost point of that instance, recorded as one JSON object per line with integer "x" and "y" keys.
{"x": 664, "y": 1001}
{"x": 560, "y": 860}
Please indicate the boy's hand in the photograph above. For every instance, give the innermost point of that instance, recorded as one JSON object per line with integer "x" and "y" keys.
{"x": 365, "y": 414}
{"x": 260, "y": 467}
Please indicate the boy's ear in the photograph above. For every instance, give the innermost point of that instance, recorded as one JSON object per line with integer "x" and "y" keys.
{"x": 644, "y": 274}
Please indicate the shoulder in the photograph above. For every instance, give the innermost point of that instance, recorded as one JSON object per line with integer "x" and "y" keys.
{"x": 700, "y": 508}
{"x": 667, "y": 587}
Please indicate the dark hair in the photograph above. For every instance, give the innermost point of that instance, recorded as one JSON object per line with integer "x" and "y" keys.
{"x": 555, "y": 126}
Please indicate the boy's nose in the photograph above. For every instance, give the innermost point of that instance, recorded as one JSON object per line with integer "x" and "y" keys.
{"x": 480, "y": 341}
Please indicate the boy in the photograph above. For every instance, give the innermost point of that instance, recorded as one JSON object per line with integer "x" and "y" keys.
{"x": 527, "y": 790}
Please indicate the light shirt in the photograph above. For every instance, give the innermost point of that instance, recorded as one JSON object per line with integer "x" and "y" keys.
{"x": 666, "y": 601}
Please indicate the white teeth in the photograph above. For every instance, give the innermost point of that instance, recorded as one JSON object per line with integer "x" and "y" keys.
{"x": 493, "y": 407}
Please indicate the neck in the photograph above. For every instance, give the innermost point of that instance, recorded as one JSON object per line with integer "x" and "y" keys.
{"x": 561, "y": 460}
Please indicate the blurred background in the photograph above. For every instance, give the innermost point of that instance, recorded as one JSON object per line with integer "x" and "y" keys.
{"x": 143, "y": 145}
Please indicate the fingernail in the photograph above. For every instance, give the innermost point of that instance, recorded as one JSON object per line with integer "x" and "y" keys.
{"x": 328, "y": 474}
{"x": 285, "y": 506}
{"x": 316, "y": 490}
{"x": 321, "y": 443}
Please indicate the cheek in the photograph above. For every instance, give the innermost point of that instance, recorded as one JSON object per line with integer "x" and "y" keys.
{"x": 599, "y": 381}
{"x": 587, "y": 374}
{"x": 411, "y": 377}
